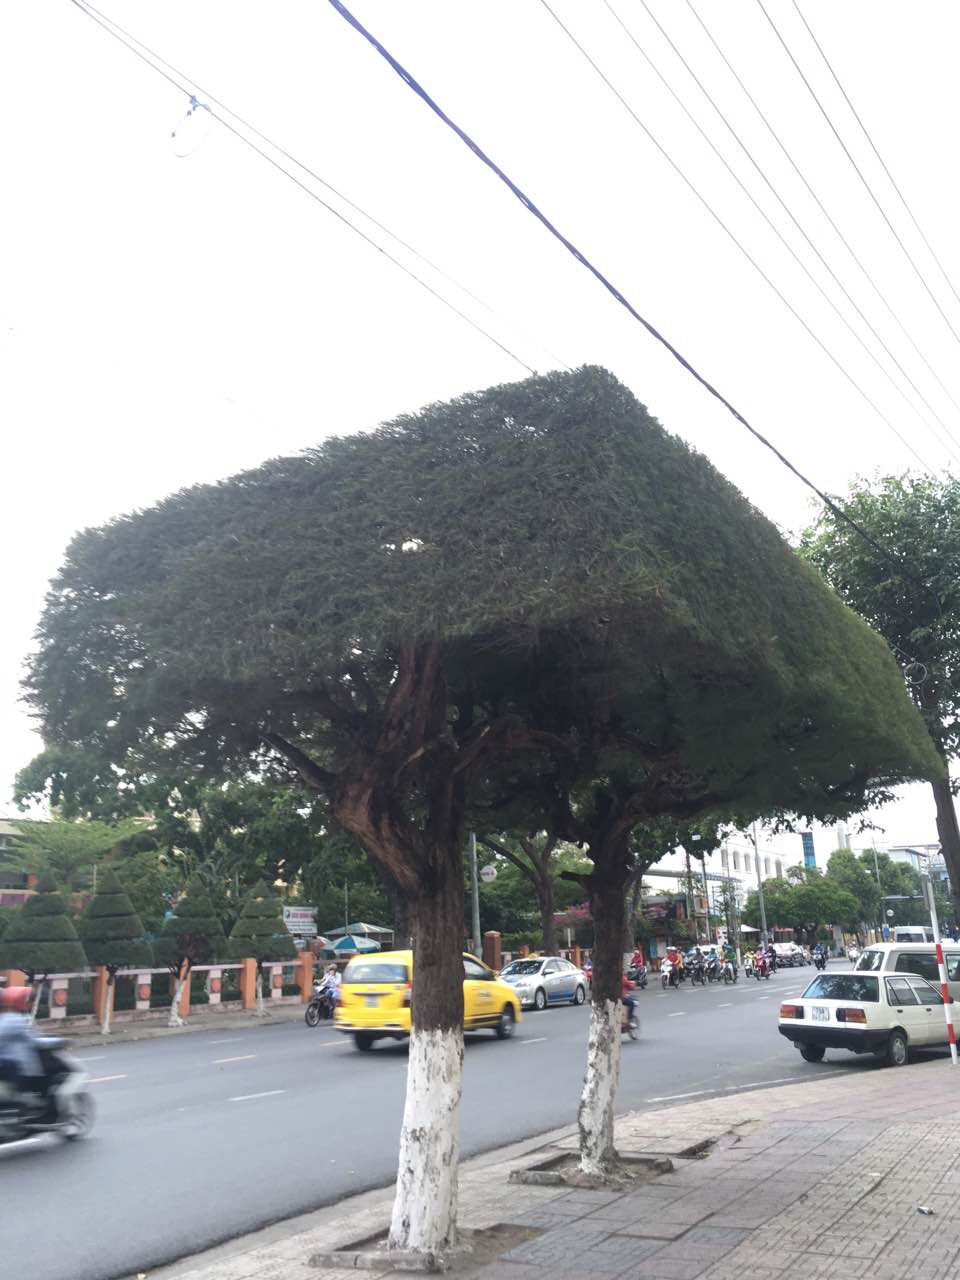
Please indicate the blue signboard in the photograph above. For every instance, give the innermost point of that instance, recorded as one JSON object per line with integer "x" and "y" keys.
{"x": 809, "y": 857}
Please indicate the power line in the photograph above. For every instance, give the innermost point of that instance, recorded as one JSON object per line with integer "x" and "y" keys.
{"x": 820, "y": 205}
{"x": 902, "y": 198}
{"x": 951, "y": 442}
{"x": 607, "y": 284}
{"x": 142, "y": 53}
{"x": 880, "y": 209}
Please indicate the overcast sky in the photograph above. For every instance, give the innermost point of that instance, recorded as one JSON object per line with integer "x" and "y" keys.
{"x": 166, "y": 320}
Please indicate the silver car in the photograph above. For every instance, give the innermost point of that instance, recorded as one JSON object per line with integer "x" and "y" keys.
{"x": 542, "y": 980}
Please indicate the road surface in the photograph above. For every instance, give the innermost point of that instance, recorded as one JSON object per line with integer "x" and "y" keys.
{"x": 203, "y": 1137}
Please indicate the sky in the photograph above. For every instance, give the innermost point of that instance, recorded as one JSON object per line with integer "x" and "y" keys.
{"x": 171, "y": 319}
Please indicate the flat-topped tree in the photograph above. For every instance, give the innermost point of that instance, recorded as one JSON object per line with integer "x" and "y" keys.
{"x": 41, "y": 938}
{"x": 536, "y": 577}
{"x": 193, "y": 935}
{"x": 113, "y": 936}
{"x": 260, "y": 934}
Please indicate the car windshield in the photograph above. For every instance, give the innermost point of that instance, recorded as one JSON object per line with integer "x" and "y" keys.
{"x": 844, "y": 986}
{"x": 869, "y": 961}
{"x": 375, "y": 971}
{"x": 522, "y": 966}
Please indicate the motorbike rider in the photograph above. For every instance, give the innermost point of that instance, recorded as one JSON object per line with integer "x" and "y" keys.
{"x": 819, "y": 953}
{"x": 20, "y": 1063}
{"x": 629, "y": 1001}
{"x": 730, "y": 955}
{"x": 636, "y": 960}
{"x": 330, "y": 985}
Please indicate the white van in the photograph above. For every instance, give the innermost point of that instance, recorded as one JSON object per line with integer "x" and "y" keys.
{"x": 913, "y": 957}
{"x": 912, "y": 933}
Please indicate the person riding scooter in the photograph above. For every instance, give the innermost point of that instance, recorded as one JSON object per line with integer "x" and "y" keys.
{"x": 21, "y": 1065}
{"x": 629, "y": 1002}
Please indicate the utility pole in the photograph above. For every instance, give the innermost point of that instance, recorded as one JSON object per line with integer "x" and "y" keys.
{"x": 475, "y": 894}
{"x": 763, "y": 909}
{"x": 876, "y": 868}
{"x": 691, "y": 913}
{"x": 928, "y": 893}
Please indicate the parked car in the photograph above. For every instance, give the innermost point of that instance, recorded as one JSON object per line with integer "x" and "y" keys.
{"x": 542, "y": 980}
{"x": 374, "y": 1001}
{"x": 789, "y": 954}
{"x": 866, "y": 1013}
{"x": 912, "y": 957}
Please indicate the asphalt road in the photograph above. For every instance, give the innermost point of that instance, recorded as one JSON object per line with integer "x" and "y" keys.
{"x": 203, "y": 1137}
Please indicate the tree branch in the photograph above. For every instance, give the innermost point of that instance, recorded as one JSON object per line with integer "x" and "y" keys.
{"x": 309, "y": 770}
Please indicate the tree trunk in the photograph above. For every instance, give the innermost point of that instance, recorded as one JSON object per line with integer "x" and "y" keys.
{"x": 175, "y": 1020}
{"x": 260, "y": 1010}
{"x": 108, "y": 990}
{"x": 949, "y": 833}
{"x": 598, "y": 1156}
{"x": 425, "y": 1208}
{"x": 544, "y": 885}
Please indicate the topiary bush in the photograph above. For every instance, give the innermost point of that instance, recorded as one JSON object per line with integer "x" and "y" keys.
{"x": 41, "y": 938}
{"x": 260, "y": 934}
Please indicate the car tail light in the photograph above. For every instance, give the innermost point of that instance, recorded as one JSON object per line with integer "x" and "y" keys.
{"x": 791, "y": 1011}
{"x": 407, "y": 994}
{"x": 851, "y": 1015}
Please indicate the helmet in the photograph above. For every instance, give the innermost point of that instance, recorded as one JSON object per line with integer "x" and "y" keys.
{"x": 15, "y": 999}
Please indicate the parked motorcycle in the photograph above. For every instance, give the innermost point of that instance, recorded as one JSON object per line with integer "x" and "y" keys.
{"x": 70, "y": 1111}
{"x": 320, "y": 1007}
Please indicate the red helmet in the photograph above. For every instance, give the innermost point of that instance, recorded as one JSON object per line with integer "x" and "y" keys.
{"x": 15, "y": 999}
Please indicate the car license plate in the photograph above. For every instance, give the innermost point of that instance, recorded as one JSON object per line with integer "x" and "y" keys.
{"x": 820, "y": 1014}
{"x": 372, "y": 1001}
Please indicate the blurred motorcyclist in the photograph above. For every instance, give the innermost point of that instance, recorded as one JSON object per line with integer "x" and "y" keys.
{"x": 20, "y": 1063}
{"x": 629, "y": 1002}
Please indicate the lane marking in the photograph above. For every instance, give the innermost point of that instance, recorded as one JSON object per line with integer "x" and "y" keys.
{"x": 740, "y": 1088}
{"x": 682, "y": 1014}
{"x": 243, "y": 1057}
{"x": 248, "y": 1097}
{"x": 535, "y": 1040}
{"x": 98, "y": 1058}
{"x": 104, "y": 1079}
{"x": 763, "y": 997}
{"x": 727, "y": 1005}
{"x": 231, "y": 1040}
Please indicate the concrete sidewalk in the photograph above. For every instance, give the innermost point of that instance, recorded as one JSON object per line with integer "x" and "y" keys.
{"x": 817, "y": 1180}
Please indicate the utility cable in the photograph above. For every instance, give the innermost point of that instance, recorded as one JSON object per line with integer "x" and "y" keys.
{"x": 859, "y": 172}
{"x": 873, "y": 146}
{"x": 746, "y": 253}
{"x": 611, "y": 288}
{"x": 894, "y": 316}
{"x": 952, "y": 443}
{"x": 130, "y": 44}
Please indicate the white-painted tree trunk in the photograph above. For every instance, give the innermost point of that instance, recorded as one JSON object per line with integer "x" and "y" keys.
{"x": 260, "y": 1009}
{"x": 425, "y": 1208}
{"x": 595, "y": 1115}
{"x": 107, "y": 1007}
{"x": 36, "y": 1000}
{"x": 175, "y": 1019}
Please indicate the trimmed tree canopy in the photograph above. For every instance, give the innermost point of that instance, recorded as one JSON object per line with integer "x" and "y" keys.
{"x": 260, "y": 932}
{"x": 41, "y": 937}
{"x": 111, "y": 931}
{"x": 194, "y": 933}
{"x": 571, "y": 566}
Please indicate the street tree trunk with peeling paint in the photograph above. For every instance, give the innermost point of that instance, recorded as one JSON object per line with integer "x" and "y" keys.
{"x": 182, "y": 973}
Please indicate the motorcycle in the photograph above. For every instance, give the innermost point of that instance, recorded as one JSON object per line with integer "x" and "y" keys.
{"x": 637, "y": 973}
{"x": 729, "y": 972}
{"x": 320, "y": 1007}
{"x": 697, "y": 970}
{"x": 820, "y": 959}
{"x": 713, "y": 970}
{"x": 669, "y": 975}
{"x": 69, "y": 1113}
{"x": 761, "y": 966}
{"x": 630, "y": 1026}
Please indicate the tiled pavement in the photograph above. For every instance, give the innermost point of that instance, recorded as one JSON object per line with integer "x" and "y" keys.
{"x": 818, "y": 1180}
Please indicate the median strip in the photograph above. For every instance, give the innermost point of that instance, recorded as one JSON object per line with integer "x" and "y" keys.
{"x": 248, "y": 1097}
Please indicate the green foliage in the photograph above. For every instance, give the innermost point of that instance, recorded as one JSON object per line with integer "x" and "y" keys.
{"x": 68, "y": 849}
{"x": 6, "y": 915}
{"x": 845, "y": 869}
{"x": 41, "y": 938}
{"x": 335, "y": 859}
{"x": 193, "y": 934}
{"x": 574, "y": 562}
{"x": 151, "y": 884}
{"x": 804, "y": 906}
{"x": 111, "y": 931}
{"x": 901, "y": 886}
{"x": 260, "y": 933}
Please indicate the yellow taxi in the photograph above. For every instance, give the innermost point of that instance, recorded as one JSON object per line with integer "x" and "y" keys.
{"x": 374, "y": 1001}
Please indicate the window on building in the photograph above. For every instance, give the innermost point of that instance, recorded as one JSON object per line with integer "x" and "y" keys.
{"x": 779, "y": 869}
{"x": 766, "y": 866}
{"x": 736, "y": 860}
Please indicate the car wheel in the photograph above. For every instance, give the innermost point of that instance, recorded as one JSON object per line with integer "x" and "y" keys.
{"x": 540, "y": 1000}
{"x": 897, "y": 1053}
{"x": 508, "y": 1020}
{"x": 579, "y": 995}
{"x": 364, "y": 1040}
{"x": 812, "y": 1052}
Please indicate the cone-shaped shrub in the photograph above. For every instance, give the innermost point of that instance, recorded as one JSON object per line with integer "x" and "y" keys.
{"x": 194, "y": 934}
{"x": 260, "y": 932}
{"x": 42, "y": 938}
{"x": 111, "y": 931}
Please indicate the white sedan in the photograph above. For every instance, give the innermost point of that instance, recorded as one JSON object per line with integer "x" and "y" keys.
{"x": 867, "y": 1013}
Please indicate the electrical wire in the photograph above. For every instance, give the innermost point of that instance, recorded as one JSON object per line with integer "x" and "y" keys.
{"x": 866, "y": 133}
{"x": 611, "y": 288}
{"x": 952, "y": 443}
{"x": 894, "y": 316}
{"x": 145, "y": 55}
{"x": 763, "y": 214}
{"x": 859, "y": 172}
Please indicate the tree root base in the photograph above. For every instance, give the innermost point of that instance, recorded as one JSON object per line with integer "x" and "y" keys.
{"x": 623, "y": 1174}
{"x": 473, "y": 1250}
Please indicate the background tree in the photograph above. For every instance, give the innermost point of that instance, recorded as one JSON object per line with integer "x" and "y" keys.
{"x": 804, "y": 906}
{"x": 192, "y": 936}
{"x": 260, "y": 934}
{"x": 151, "y": 882}
{"x": 902, "y": 893}
{"x": 916, "y": 607}
{"x": 845, "y": 869}
{"x": 113, "y": 936}
{"x": 533, "y": 573}
{"x": 69, "y": 850}
{"x": 41, "y": 938}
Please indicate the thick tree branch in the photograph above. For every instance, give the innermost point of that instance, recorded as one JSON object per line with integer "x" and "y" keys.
{"x": 316, "y": 777}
